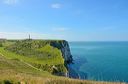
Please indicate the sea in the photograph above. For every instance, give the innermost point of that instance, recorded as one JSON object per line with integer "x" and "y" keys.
{"x": 100, "y": 61}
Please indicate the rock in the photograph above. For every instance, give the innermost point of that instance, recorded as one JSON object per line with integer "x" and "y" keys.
{"x": 65, "y": 49}
{"x": 66, "y": 52}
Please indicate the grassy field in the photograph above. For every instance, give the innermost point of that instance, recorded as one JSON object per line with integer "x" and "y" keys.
{"x": 25, "y": 68}
{"x": 39, "y": 54}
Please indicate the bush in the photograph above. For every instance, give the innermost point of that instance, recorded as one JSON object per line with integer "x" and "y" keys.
{"x": 1, "y": 45}
{"x": 7, "y": 82}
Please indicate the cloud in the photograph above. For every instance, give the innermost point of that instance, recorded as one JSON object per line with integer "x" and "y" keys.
{"x": 56, "y": 5}
{"x": 34, "y": 35}
{"x": 20, "y": 35}
{"x": 10, "y": 2}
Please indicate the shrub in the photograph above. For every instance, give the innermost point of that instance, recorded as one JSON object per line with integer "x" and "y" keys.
{"x": 7, "y": 82}
{"x": 1, "y": 45}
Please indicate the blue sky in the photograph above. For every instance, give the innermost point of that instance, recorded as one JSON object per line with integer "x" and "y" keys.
{"x": 72, "y": 20}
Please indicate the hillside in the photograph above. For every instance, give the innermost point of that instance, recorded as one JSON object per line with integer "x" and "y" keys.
{"x": 44, "y": 55}
{"x": 36, "y": 62}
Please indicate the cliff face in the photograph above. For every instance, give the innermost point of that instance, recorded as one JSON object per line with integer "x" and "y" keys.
{"x": 65, "y": 49}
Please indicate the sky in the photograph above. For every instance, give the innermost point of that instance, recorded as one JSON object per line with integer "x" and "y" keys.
{"x": 72, "y": 20}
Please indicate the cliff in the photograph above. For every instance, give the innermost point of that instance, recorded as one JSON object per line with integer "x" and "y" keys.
{"x": 48, "y": 55}
{"x": 65, "y": 49}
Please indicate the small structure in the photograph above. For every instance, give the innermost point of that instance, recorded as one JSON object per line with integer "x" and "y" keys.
{"x": 29, "y": 37}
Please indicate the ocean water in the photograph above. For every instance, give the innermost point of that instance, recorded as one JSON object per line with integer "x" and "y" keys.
{"x": 102, "y": 61}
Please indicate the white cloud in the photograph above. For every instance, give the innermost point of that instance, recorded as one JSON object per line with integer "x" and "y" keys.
{"x": 56, "y": 5}
{"x": 10, "y": 2}
{"x": 34, "y": 35}
{"x": 21, "y": 35}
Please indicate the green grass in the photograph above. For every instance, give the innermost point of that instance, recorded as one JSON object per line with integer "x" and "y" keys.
{"x": 38, "y": 53}
{"x": 16, "y": 65}
{"x": 29, "y": 51}
{"x": 33, "y": 59}
{"x": 15, "y": 70}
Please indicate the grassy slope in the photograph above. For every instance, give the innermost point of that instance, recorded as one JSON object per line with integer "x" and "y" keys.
{"x": 18, "y": 70}
{"x": 35, "y": 52}
{"x": 12, "y": 69}
{"x": 21, "y": 50}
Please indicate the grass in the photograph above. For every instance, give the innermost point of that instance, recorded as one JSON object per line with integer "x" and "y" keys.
{"x": 15, "y": 71}
{"x": 11, "y": 55}
{"x": 18, "y": 66}
{"x": 29, "y": 52}
{"x": 39, "y": 54}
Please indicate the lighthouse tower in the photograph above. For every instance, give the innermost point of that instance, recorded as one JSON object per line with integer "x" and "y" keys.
{"x": 29, "y": 37}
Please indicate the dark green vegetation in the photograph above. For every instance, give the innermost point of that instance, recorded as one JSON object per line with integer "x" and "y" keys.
{"x": 19, "y": 66}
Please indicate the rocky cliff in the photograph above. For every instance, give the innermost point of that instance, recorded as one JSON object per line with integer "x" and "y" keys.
{"x": 51, "y": 55}
{"x": 65, "y": 49}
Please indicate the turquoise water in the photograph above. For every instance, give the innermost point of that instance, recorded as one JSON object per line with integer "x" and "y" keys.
{"x": 107, "y": 61}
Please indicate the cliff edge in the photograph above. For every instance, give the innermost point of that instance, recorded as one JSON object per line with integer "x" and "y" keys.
{"x": 47, "y": 55}
{"x": 65, "y": 49}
